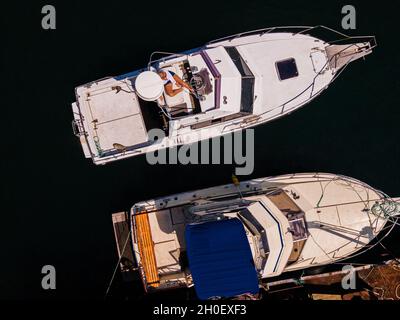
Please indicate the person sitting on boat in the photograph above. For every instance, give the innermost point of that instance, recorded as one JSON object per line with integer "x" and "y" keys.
{"x": 171, "y": 79}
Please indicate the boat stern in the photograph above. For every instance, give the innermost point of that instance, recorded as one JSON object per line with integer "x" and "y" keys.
{"x": 108, "y": 119}
{"x": 79, "y": 130}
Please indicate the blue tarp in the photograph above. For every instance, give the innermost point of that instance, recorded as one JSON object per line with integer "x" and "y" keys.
{"x": 220, "y": 259}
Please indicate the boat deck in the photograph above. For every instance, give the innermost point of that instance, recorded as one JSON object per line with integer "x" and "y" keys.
{"x": 167, "y": 228}
{"x": 112, "y": 114}
{"x": 146, "y": 249}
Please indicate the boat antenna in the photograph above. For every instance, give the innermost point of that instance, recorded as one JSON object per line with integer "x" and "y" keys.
{"x": 236, "y": 182}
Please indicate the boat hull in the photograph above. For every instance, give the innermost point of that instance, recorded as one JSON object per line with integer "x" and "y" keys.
{"x": 287, "y": 69}
{"x": 338, "y": 213}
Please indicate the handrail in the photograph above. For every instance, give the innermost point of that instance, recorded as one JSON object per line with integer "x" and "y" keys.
{"x": 279, "y": 28}
{"x": 262, "y": 31}
{"x": 170, "y": 56}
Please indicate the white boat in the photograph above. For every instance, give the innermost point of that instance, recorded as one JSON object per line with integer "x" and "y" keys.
{"x": 229, "y": 240}
{"x": 239, "y": 81}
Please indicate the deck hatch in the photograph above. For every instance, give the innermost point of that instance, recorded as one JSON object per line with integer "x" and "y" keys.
{"x": 287, "y": 69}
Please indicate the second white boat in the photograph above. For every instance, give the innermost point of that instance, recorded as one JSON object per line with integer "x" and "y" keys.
{"x": 228, "y": 240}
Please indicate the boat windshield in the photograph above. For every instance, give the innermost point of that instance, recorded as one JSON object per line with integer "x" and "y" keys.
{"x": 247, "y": 94}
{"x": 257, "y": 230}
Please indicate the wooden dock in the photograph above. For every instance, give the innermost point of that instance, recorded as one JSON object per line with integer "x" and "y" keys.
{"x": 124, "y": 246}
{"x": 384, "y": 280}
{"x": 374, "y": 282}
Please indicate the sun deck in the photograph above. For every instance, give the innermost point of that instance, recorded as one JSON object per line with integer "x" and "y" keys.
{"x": 167, "y": 231}
{"x": 112, "y": 114}
{"x": 161, "y": 244}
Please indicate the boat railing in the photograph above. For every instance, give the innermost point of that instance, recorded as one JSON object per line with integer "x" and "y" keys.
{"x": 301, "y": 30}
{"x": 334, "y": 57}
{"x": 261, "y": 32}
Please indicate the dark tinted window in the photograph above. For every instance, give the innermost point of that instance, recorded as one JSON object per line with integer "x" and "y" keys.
{"x": 247, "y": 95}
{"x": 239, "y": 62}
{"x": 287, "y": 69}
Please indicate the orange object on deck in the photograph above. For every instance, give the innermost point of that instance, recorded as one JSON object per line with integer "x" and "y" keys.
{"x": 146, "y": 249}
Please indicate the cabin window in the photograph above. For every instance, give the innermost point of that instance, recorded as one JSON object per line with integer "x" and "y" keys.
{"x": 247, "y": 218}
{"x": 287, "y": 69}
{"x": 247, "y": 93}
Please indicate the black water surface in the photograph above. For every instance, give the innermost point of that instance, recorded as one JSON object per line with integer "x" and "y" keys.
{"x": 57, "y": 205}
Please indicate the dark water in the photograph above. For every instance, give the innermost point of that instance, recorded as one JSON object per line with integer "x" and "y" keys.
{"x": 57, "y": 205}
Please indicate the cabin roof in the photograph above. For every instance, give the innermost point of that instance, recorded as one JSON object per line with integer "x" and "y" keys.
{"x": 220, "y": 259}
{"x": 267, "y": 60}
{"x": 113, "y": 114}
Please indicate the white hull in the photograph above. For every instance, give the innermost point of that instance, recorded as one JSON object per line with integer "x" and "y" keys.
{"x": 111, "y": 124}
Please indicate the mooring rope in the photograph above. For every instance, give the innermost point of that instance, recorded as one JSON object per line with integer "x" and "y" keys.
{"x": 119, "y": 261}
